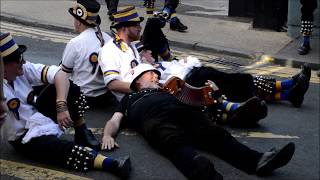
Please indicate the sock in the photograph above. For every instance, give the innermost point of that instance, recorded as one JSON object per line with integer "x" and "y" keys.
{"x": 281, "y": 96}
{"x": 306, "y": 40}
{"x": 149, "y": 11}
{"x": 102, "y": 162}
{"x": 164, "y": 53}
{"x": 173, "y": 18}
{"x": 167, "y": 10}
{"x": 284, "y": 84}
{"x": 229, "y": 106}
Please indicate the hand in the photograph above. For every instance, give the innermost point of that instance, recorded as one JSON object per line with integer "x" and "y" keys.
{"x": 212, "y": 85}
{"x": 216, "y": 94}
{"x": 146, "y": 57}
{"x": 64, "y": 120}
{"x": 108, "y": 143}
{"x": 3, "y": 111}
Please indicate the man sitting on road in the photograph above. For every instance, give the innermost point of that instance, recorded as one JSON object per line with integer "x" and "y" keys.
{"x": 176, "y": 129}
{"x": 80, "y": 57}
{"x": 34, "y": 133}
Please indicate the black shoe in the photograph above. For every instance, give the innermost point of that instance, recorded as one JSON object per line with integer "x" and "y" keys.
{"x": 121, "y": 167}
{"x": 306, "y": 70}
{"x": 204, "y": 170}
{"x": 85, "y": 137}
{"x": 248, "y": 113}
{"x": 274, "y": 159}
{"x": 304, "y": 49}
{"x": 177, "y": 26}
{"x": 296, "y": 93}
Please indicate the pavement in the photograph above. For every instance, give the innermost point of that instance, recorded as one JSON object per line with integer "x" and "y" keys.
{"x": 216, "y": 33}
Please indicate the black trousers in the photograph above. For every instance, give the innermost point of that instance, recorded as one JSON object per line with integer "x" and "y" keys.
{"x": 237, "y": 87}
{"x": 112, "y": 6}
{"x": 153, "y": 38}
{"x": 307, "y": 9}
{"x": 188, "y": 129}
{"x": 46, "y": 149}
{"x": 103, "y": 101}
{"x": 46, "y": 101}
{"x": 172, "y": 4}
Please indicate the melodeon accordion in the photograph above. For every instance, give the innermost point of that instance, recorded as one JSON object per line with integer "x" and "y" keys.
{"x": 194, "y": 96}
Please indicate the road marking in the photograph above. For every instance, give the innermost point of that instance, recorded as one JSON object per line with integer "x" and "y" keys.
{"x": 24, "y": 171}
{"x": 266, "y": 135}
{"x": 263, "y": 67}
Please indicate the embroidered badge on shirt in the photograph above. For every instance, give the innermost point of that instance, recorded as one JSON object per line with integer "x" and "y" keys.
{"x": 13, "y": 105}
{"x": 134, "y": 63}
{"x": 30, "y": 98}
{"x": 93, "y": 58}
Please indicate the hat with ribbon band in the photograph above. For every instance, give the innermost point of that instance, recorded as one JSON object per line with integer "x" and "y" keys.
{"x": 86, "y": 11}
{"x": 10, "y": 50}
{"x": 127, "y": 17}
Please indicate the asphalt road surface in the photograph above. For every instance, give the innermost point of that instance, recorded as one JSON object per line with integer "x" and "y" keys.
{"x": 283, "y": 123}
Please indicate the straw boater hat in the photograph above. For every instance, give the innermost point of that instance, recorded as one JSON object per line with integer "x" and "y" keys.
{"x": 138, "y": 71}
{"x": 10, "y": 50}
{"x": 127, "y": 17}
{"x": 86, "y": 11}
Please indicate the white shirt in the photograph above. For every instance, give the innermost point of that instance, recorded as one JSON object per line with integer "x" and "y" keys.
{"x": 117, "y": 64}
{"x": 176, "y": 68}
{"x": 80, "y": 59}
{"x": 21, "y": 114}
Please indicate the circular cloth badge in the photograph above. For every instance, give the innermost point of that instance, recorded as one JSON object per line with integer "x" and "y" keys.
{"x": 13, "y": 105}
{"x": 93, "y": 58}
{"x": 134, "y": 63}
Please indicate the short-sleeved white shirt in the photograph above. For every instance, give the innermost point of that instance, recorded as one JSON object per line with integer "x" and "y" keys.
{"x": 17, "y": 98}
{"x": 80, "y": 59}
{"x": 117, "y": 64}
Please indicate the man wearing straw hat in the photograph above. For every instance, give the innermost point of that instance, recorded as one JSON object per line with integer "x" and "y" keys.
{"x": 3, "y": 106}
{"x": 80, "y": 57}
{"x": 118, "y": 57}
{"x": 32, "y": 133}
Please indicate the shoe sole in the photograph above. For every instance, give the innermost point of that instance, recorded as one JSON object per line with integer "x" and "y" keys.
{"x": 179, "y": 30}
{"x": 281, "y": 158}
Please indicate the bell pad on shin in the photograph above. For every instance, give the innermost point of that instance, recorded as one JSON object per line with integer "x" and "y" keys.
{"x": 81, "y": 158}
{"x": 264, "y": 87}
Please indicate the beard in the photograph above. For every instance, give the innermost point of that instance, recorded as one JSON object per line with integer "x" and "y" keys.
{"x": 134, "y": 36}
{"x": 149, "y": 85}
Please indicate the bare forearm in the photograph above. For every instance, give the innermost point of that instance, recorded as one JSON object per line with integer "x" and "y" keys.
{"x": 62, "y": 86}
{"x": 119, "y": 86}
{"x": 112, "y": 126}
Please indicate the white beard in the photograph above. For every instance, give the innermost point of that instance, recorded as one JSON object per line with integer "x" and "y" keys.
{"x": 148, "y": 84}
